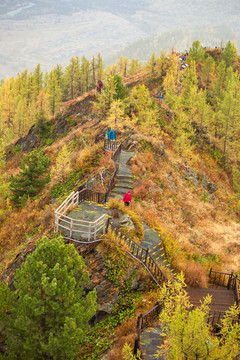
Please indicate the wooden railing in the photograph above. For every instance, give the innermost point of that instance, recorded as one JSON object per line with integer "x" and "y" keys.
{"x": 139, "y": 253}
{"x": 145, "y": 321}
{"x": 73, "y": 226}
{"x": 222, "y": 279}
{"x": 116, "y": 152}
{"x": 79, "y": 228}
{"x": 228, "y": 280}
{"x": 110, "y": 145}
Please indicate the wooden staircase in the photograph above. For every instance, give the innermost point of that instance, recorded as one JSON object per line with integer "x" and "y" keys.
{"x": 222, "y": 299}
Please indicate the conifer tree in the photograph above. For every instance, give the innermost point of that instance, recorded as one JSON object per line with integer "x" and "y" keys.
{"x": 196, "y": 52}
{"x": 229, "y": 113}
{"x": 100, "y": 68}
{"x": 62, "y": 166}
{"x": 54, "y": 91}
{"x": 105, "y": 99}
{"x": 145, "y": 112}
{"x": 134, "y": 66}
{"x": 229, "y": 54}
{"x": 93, "y": 69}
{"x": 207, "y": 69}
{"x": 184, "y": 133}
{"x": 73, "y": 78}
{"x": 31, "y": 178}
{"x": 152, "y": 65}
{"x": 38, "y": 78}
{"x": 85, "y": 74}
{"x": 7, "y": 109}
{"x": 50, "y": 309}
{"x": 116, "y": 112}
{"x": 189, "y": 335}
{"x": 4, "y": 184}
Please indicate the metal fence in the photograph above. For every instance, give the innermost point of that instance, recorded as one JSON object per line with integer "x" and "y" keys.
{"x": 139, "y": 253}
{"x": 87, "y": 230}
{"x": 110, "y": 145}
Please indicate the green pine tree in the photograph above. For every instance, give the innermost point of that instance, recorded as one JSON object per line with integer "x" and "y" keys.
{"x": 31, "y": 178}
{"x": 50, "y": 309}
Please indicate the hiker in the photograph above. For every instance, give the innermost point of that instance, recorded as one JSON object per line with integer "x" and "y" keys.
{"x": 112, "y": 135}
{"x": 108, "y": 133}
{"x": 99, "y": 86}
{"x": 127, "y": 198}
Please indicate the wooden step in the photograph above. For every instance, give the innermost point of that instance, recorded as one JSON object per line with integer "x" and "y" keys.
{"x": 222, "y": 298}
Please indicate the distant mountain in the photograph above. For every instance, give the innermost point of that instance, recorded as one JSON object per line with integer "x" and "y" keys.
{"x": 178, "y": 40}
{"x": 51, "y": 32}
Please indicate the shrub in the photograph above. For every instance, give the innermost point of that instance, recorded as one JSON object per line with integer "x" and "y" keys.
{"x": 195, "y": 274}
{"x": 141, "y": 190}
{"x": 138, "y": 231}
{"x": 90, "y": 157}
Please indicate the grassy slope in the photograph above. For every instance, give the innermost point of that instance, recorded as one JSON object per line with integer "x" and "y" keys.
{"x": 207, "y": 229}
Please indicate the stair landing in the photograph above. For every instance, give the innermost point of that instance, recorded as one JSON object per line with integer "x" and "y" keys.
{"x": 222, "y": 298}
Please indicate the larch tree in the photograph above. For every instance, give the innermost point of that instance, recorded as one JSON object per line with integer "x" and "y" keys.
{"x": 134, "y": 66}
{"x": 145, "y": 111}
{"x": 151, "y": 65}
{"x": 116, "y": 112}
{"x": 100, "y": 68}
{"x": 196, "y": 52}
{"x": 85, "y": 74}
{"x": 229, "y": 54}
{"x": 38, "y": 78}
{"x": 229, "y": 112}
{"x": 62, "y": 166}
{"x": 73, "y": 78}
{"x": 50, "y": 308}
{"x": 54, "y": 91}
{"x": 188, "y": 331}
{"x": 7, "y": 108}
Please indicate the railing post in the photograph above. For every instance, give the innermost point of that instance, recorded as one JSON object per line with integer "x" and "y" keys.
{"x": 71, "y": 226}
{"x": 89, "y": 232}
{"x": 210, "y": 272}
{"x": 230, "y": 281}
{"x": 95, "y": 232}
{"x": 65, "y": 208}
{"x": 78, "y": 197}
{"x": 146, "y": 255}
{"x": 73, "y": 201}
{"x": 57, "y": 223}
{"x": 107, "y": 225}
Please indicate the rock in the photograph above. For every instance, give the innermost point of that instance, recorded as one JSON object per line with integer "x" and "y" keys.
{"x": 212, "y": 187}
{"x": 202, "y": 133}
{"x": 204, "y": 181}
{"x": 192, "y": 176}
{"x": 171, "y": 183}
{"x": 103, "y": 313}
{"x": 211, "y": 198}
{"x": 125, "y": 221}
{"x": 209, "y": 185}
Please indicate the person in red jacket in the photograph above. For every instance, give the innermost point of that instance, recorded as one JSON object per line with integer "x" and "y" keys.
{"x": 127, "y": 198}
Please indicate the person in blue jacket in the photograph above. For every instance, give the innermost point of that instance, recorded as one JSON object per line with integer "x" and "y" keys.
{"x": 112, "y": 135}
{"x": 108, "y": 133}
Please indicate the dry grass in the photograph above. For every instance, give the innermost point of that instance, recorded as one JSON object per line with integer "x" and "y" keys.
{"x": 195, "y": 274}
{"x": 138, "y": 231}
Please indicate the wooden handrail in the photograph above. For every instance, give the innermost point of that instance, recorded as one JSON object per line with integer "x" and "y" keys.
{"x": 143, "y": 256}
{"x": 222, "y": 279}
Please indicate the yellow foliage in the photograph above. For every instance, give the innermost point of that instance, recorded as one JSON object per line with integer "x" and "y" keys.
{"x": 62, "y": 166}
{"x": 138, "y": 231}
